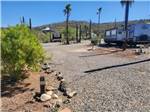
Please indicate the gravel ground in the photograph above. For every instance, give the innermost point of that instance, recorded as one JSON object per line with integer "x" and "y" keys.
{"x": 115, "y": 89}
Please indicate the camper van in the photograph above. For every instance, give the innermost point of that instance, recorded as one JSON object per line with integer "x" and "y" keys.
{"x": 137, "y": 34}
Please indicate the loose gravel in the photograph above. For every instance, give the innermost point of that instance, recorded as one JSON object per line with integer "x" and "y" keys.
{"x": 117, "y": 89}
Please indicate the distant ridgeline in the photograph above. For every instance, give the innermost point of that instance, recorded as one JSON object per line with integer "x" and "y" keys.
{"x": 95, "y": 28}
{"x": 60, "y": 27}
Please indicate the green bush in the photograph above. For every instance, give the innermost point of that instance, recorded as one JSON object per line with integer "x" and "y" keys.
{"x": 42, "y": 37}
{"x": 20, "y": 48}
{"x": 71, "y": 33}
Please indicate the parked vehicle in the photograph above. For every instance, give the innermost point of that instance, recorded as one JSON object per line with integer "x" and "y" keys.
{"x": 55, "y": 35}
{"x": 137, "y": 34}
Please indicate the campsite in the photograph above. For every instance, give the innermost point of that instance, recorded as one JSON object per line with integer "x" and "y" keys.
{"x": 75, "y": 65}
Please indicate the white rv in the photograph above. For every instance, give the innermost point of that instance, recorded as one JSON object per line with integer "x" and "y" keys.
{"x": 137, "y": 34}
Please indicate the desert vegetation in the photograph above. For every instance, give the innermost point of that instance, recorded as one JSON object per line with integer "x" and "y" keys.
{"x": 85, "y": 73}
{"x": 20, "y": 49}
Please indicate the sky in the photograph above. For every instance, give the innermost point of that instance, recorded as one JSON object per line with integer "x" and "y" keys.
{"x": 46, "y": 12}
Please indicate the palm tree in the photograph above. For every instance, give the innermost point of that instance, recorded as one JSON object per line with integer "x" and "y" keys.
{"x": 126, "y": 3}
{"x": 67, "y": 12}
{"x": 98, "y": 13}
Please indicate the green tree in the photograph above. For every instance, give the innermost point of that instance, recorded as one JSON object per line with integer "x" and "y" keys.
{"x": 67, "y": 12}
{"x": 71, "y": 33}
{"x": 126, "y": 3}
{"x": 20, "y": 48}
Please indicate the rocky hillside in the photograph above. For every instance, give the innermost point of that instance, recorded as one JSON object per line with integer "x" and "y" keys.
{"x": 61, "y": 25}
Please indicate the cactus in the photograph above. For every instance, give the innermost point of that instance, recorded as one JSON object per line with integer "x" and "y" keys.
{"x": 77, "y": 30}
{"x": 90, "y": 29}
{"x": 86, "y": 31}
{"x": 30, "y": 23}
{"x": 80, "y": 33}
{"x": 23, "y": 20}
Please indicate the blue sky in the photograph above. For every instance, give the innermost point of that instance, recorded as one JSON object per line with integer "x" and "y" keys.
{"x": 45, "y": 12}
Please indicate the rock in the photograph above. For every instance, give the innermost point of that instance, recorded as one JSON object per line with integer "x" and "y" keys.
{"x": 63, "y": 86}
{"x": 49, "y": 93}
{"x": 45, "y": 97}
{"x": 45, "y": 66}
{"x": 70, "y": 95}
{"x": 59, "y": 77}
{"x": 48, "y": 71}
{"x": 67, "y": 101}
{"x": 68, "y": 91}
{"x": 55, "y": 96}
{"x": 65, "y": 110}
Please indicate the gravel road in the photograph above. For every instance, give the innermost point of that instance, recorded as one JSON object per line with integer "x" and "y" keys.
{"x": 104, "y": 83}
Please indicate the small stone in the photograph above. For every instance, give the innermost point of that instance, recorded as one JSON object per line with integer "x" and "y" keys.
{"x": 59, "y": 77}
{"x": 48, "y": 71}
{"x": 45, "y": 66}
{"x": 49, "y": 93}
{"x": 45, "y": 97}
{"x": 55, "y": 96}
{"x": 67, "y": 101}
{"x": 63, "y": 86}
{"x": 70, "y": 95}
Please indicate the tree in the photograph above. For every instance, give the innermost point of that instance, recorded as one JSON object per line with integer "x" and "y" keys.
{"x": 126, "y": 3}
{"x": 67, "y": 12}
{"x": 20, "y": 48}
{"x": 98, "y": 13}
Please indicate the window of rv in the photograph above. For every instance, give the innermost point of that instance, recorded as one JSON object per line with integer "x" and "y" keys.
{"x": 113, "y": 32}
{"x": 107, "y": 33}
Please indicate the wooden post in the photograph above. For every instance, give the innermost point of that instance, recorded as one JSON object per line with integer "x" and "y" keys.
{"x": 42, "y": 84}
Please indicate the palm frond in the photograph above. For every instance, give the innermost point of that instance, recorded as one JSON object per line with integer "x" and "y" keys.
{"x": 123, "y": 2}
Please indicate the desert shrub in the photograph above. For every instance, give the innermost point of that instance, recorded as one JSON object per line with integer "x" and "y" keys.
{"x": 94, "y": 39}
{"x": 20, "y": 48}
{"x": 42, "y": 37}
{"x": 71, "y": 33}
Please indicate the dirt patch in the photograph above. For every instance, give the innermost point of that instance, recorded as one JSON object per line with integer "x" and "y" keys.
{"x": 19, "y": 97}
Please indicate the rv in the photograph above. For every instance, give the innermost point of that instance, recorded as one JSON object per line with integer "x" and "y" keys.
{"x": 137, "y": 34}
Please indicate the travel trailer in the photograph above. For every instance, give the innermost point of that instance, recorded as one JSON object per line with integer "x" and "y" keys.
{"x": 137, "y": 34}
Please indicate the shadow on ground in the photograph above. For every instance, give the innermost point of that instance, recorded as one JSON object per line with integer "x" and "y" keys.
{"x": 110, "y": 52}
{"x": 116, "y": 66}
{"x": 10, "y": 88}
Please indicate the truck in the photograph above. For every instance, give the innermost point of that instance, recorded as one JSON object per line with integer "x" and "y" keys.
{"x": 136, "y": 34}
